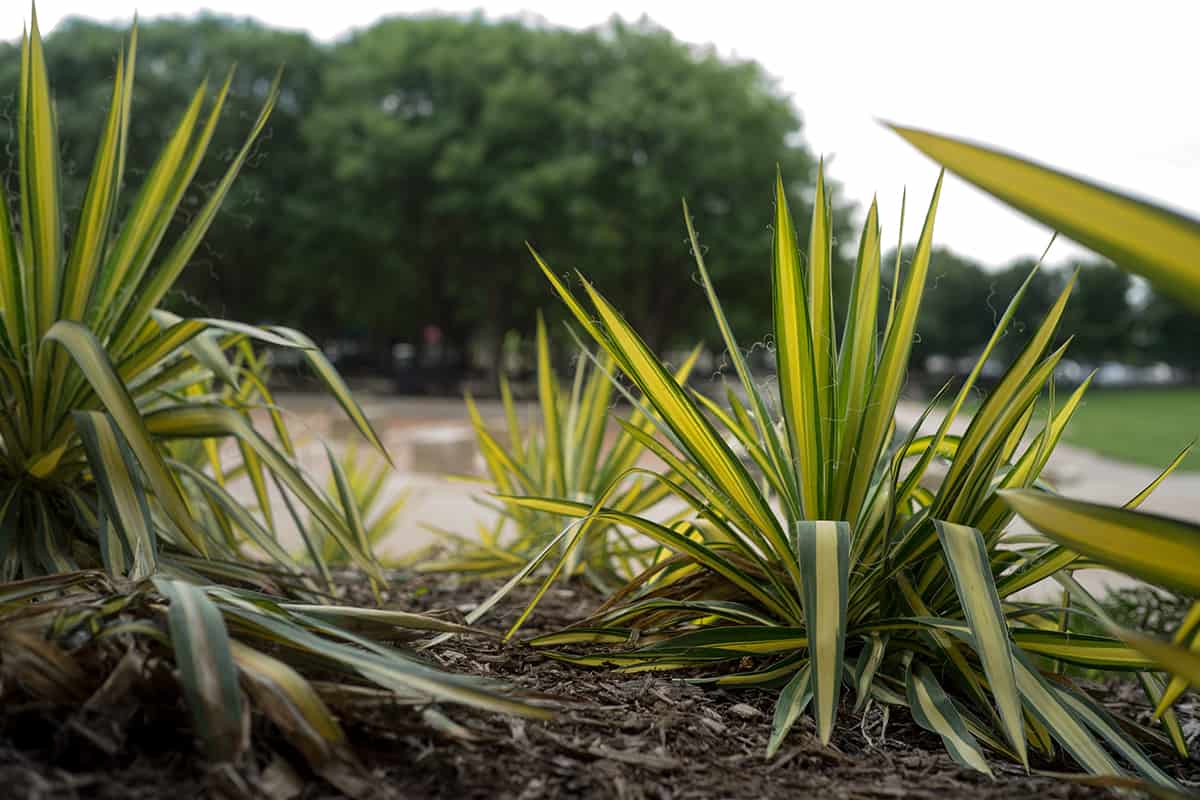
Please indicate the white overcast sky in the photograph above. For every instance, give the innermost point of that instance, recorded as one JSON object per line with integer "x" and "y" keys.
{"x": 1106, "y": 89}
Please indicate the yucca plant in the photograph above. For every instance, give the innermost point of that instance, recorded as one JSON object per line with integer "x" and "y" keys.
{"x": 354, "y": 490}
{"x": 96, "y": 377}
{"x": 358, "y": 480}
{"x": 841, "y": 564}
{"x": 115, "y": 504}
{"x": 1164, "y": 246}
{"x": 572, "y": 450}
{"x": 87, "y": 639}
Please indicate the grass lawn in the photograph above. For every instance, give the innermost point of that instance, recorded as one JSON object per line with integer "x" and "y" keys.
{"x": 1142, "y": 426}
{"x": 1145, "y": 426}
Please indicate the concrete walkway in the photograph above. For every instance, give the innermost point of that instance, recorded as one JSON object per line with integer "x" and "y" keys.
{"x": 1085, "y": 475}
{"x": 428, "y": 438}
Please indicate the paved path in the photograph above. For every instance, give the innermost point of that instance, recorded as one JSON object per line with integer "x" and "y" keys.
{"x": 1086, "y": 475}
{"x": 430, "y": 437}
{"x": 1083, "y": 474}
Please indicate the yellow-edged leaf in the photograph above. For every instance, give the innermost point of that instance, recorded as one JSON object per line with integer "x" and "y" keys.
{"x": 1162, "y": 245}
{"x": 1157, "y": 549}
{"x": 1155, "y": 691}
{"x": 824, "y": 342}
{"x": 893, "y": 359}
{"x": 1097, "y": 652}
{"x": 689, "y": 423}
{"x": 1109, "y": 729}
{"x": 823, "y": 549}
{"x": 783, "y": 478}
{"x": 132, "y": 552}
{"x": 548, "y": 399}
{"x": 40, "y": 203}
{"x": 205, "y": 661}
{"x": 294, "y": 706}
{"x": 800, "y": 390}
{"x": 94, "y": 364}
{"x": 856, "y": 367}
{"x": 968, "y": 562}
{"x": 1043, "y": 702}
{"x": 792, "y": 701}
{"x": 932, "y": 710}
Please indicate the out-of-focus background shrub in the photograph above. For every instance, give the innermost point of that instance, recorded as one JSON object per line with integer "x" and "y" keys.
{"x": 407, "y": 163}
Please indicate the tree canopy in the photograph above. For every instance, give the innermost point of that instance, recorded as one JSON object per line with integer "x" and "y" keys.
{"x": 407, "y": 165}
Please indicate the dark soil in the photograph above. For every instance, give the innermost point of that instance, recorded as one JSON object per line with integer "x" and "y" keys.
{"x": 617, "y": 736}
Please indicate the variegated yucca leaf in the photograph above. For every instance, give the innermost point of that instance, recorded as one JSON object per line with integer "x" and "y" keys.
{"x": 1157, "y": 549}
{"x": 296, "y": 708}
{"x": 125, "y": 432}
{"x": 827, "y": 547}
{"x": 1160, "y": 550}
{"x": 934, "y": 711}
{"x": 87, "y": 356}
{"x": 567, "y": 449}
{"x": 128, "y": 544}
{"x": 823, "y": 550}
{"x": 971, "y": 569}
{"x": 1044, "y": 703}
{"x": 210, "y": 679}
{"x": 794, "y": 698}
{"x": 236, "y": 652}
{"x": 1155, "y": 688}
{"x": 1138, "y": 235}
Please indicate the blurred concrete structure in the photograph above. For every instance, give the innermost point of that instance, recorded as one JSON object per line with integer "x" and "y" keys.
{"x": 431, "y": 439}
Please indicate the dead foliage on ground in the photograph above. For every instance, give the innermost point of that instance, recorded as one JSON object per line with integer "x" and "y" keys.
{"x": 616, "y": 736}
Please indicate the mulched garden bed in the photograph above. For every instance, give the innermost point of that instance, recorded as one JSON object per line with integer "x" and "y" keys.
{"x": 618, "y": 736}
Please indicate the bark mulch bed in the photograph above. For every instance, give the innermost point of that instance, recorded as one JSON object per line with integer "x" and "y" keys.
{"x": 618, "y": 736}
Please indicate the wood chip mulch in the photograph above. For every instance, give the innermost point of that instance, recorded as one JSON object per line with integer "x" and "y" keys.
{"x": 618, "y": 736}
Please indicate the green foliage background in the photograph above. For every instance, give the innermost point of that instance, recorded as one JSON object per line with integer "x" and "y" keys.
{"x": 405, "y": 165}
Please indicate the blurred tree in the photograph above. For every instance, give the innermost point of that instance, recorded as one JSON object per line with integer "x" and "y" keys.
{"x": 1168, "y": 331}
{"x": 669, "y": 121}
{"x": 439, "y": 145}
{"x": 964, "y": 301}
{"x": 1043, "y": 290}
{"x": 958, "y": 312}
{"x": 1099, "y": 314}
{"x": 405, "y": 166}
{"x": 449, "y": 141}
{"x": 238, "y": 272}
